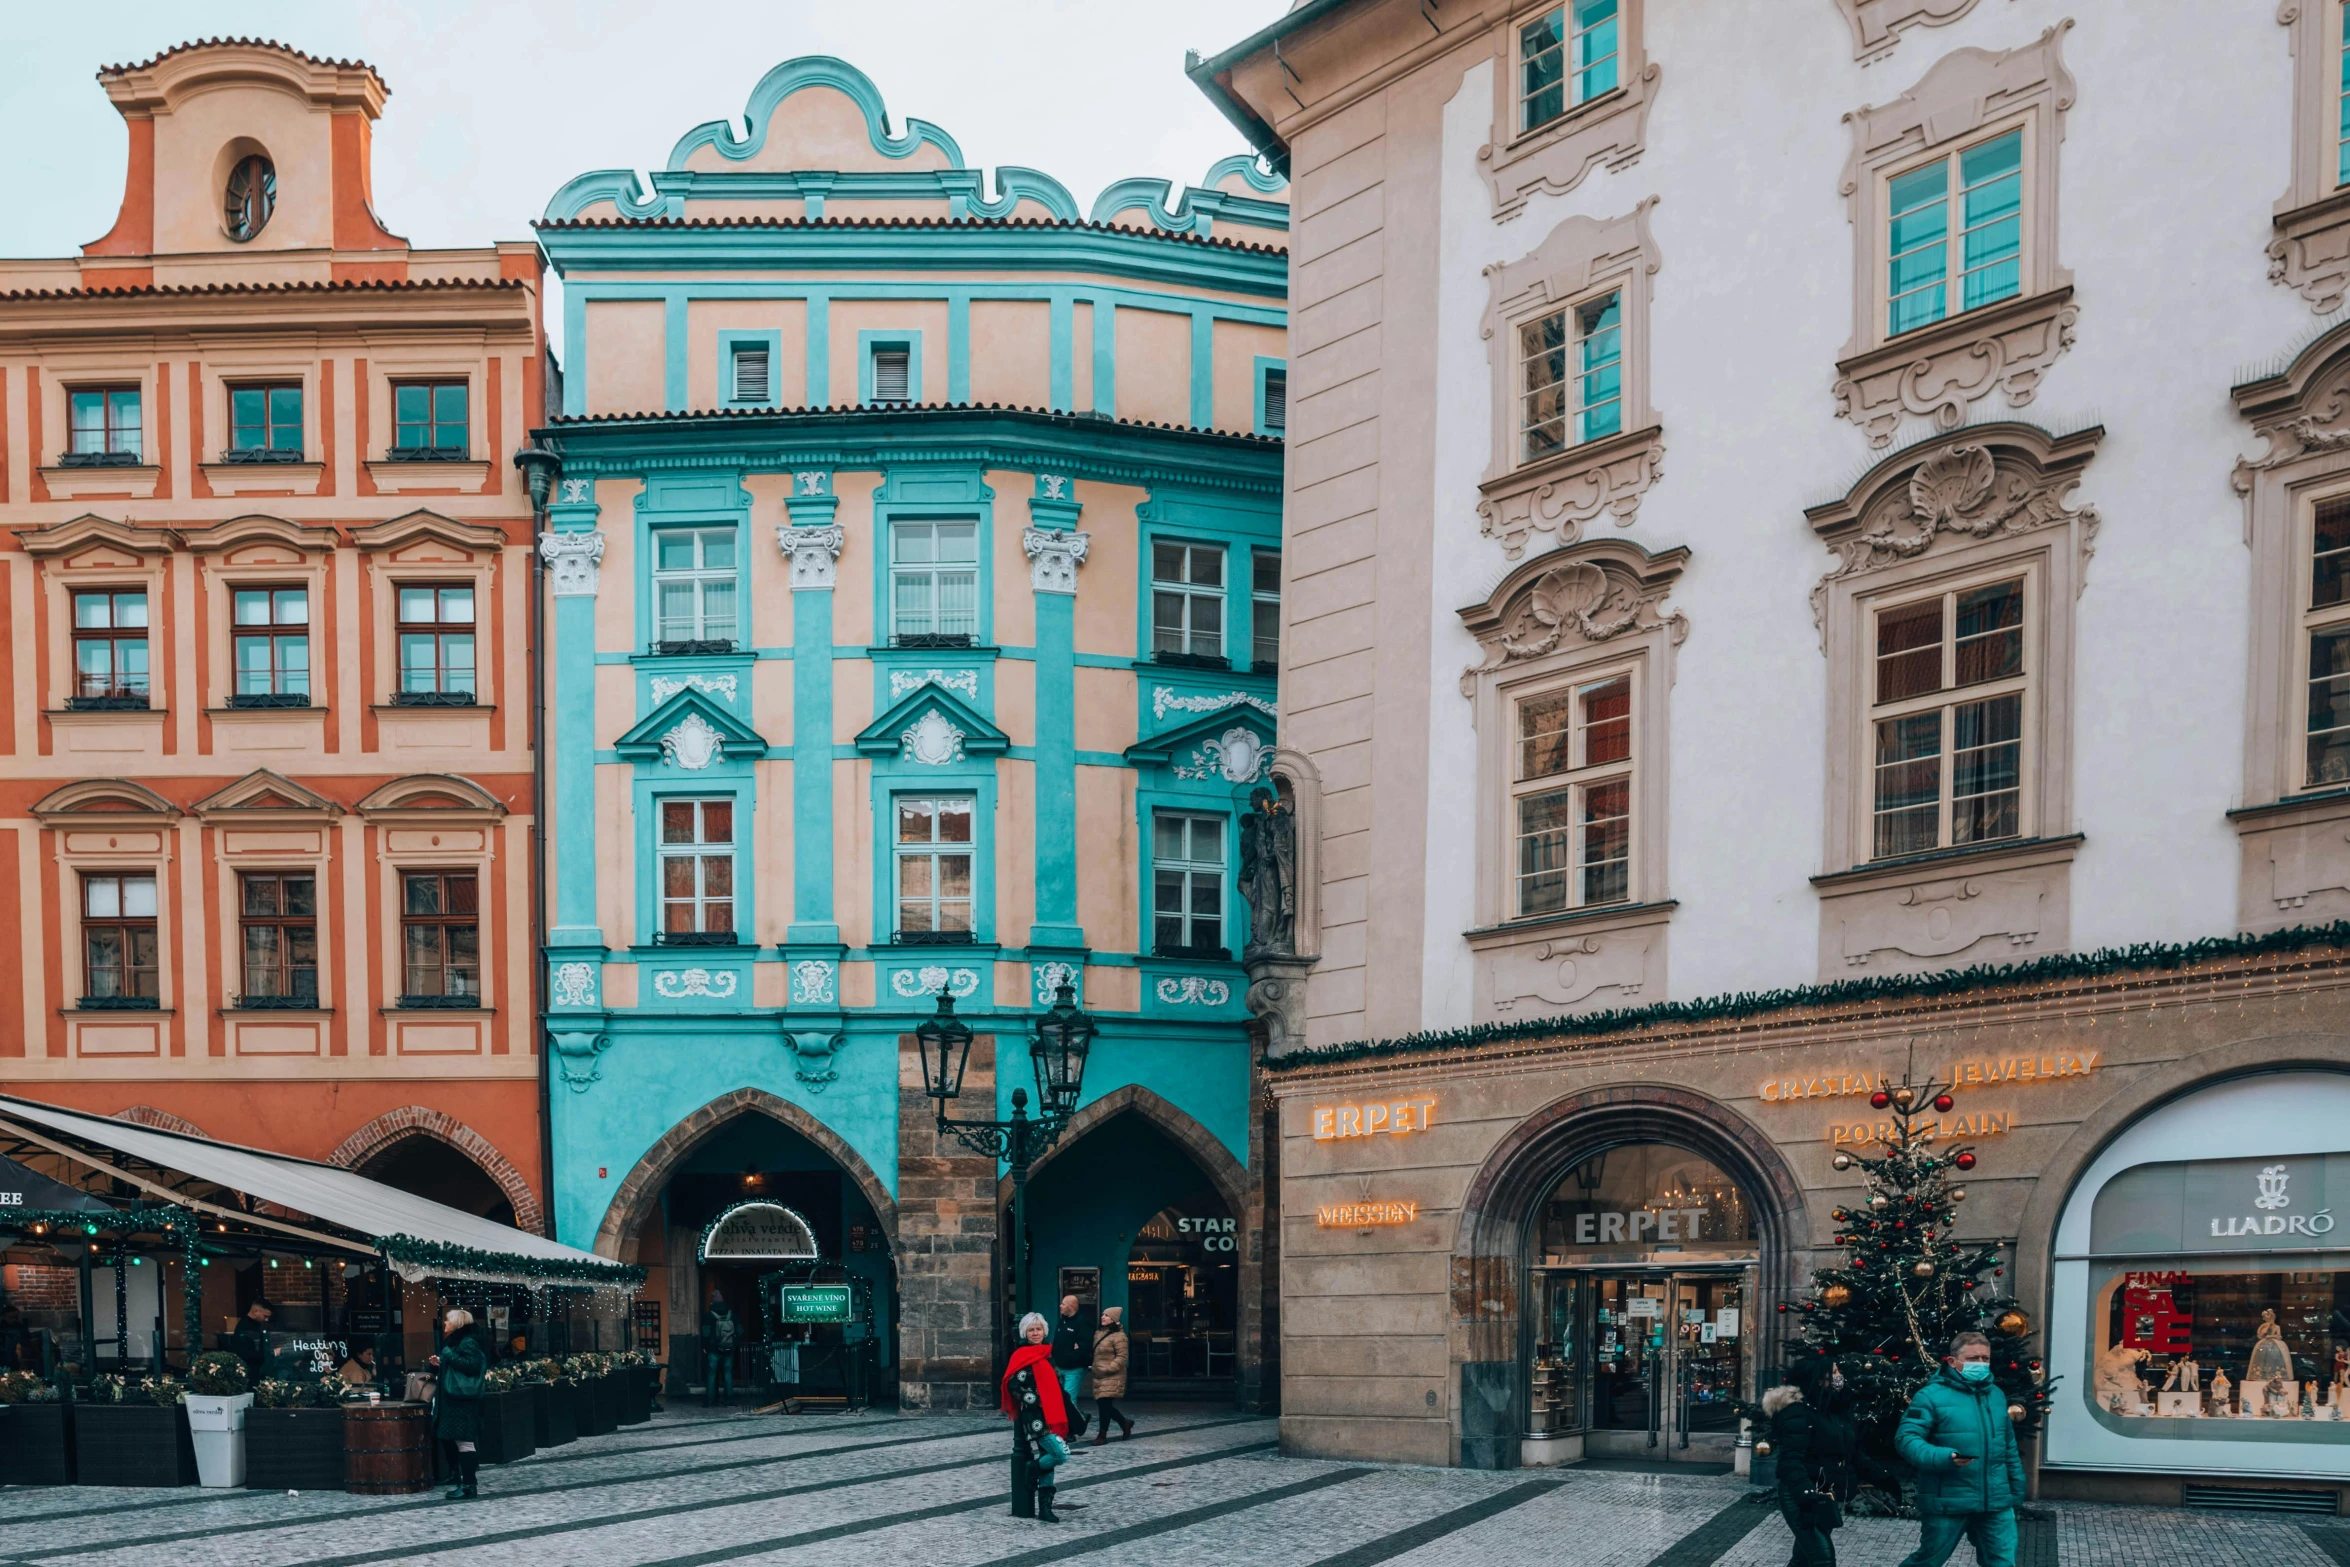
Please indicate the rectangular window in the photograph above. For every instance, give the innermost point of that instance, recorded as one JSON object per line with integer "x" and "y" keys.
{"x": 1187, "y": 885}
{"x": 265, "y": 419}
{"x": 2327, "y": 625}
{"x": 1948, "y": 720}
{"x": 278, "y": 920}
{"x": 429, "y": 422}
{"x": 440, "y": 935}
{"x": 934, "y": 868}
{"x": 1187, "y": 601}
{"x": 272, "y": 647}
{"x": 934, "y": 583}
{"x": 436, "y": 645}
{"x": 1566, "y": 57}
{"x": 694, "y": 581}
{"x": 2342, "y": 106}
{"x": 892, "y": 374}
{"x": 697, "y": 869}
{"x": 1276, "y": 419}
{"x": 1574, "y": 361}
{"x": 1990, "y": 181}
{"x": 1573, "y": 797}
{"x": 753, "y": 382}
{"x": 118, "y": 938}
{"x": 110, "y": 648}
{"x": 106, "y": 430}
{"x": 1265, "y": 607}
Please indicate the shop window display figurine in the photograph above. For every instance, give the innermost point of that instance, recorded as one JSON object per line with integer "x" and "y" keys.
{"x": 2219, "y": 1391}
{"x": 2185, "y": 1377}
{"x": 2270, "y": 1358}
{"x": 2116, "y": 1384}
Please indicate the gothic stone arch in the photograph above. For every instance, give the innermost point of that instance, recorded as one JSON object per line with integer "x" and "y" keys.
{"x": 419, "y": 1121}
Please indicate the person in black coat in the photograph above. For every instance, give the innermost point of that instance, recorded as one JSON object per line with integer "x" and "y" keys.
{"x": 1073, "y": 1354}
{"x": 721, "y": 1332}
{"x": 250, "y": 1343}
{"x": 1818, "y": 1446}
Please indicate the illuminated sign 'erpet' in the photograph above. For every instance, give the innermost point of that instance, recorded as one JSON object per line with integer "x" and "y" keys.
{"x": 1369, "y": 1120}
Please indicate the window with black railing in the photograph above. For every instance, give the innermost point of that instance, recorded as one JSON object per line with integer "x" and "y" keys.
{"x": 934, "y": 583}
{"x": 1187, "y": 886}
{"x": 430, "y": 422}
{"x": 1187, "y": 605}
{"x": 264, "y": 424}
{"x": 105, "y": 428}
{"x": 695, "y": 581}
{"x": 271, "y": 647}
{"x": 436, "y": 635}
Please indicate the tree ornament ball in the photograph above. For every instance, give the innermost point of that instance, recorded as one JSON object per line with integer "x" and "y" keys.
{"x": 1782, "y": 1305}
{"x": 1905, "y": 1096}
{"x": 1944, "y": 1103}
{"x": 1880, "y": 1099}
{"x": 1842, "y": 1161}
{"x": 2016, "y": 1413}
{"x": 2013, "y": 1321}
{"x": 1958, "y": 1194}
{"x": 1880, "y": 1203}
{"x": 1923, "y": 1269}
{"x": 1836, "y": 1297}
{"x": 1965, "y": 1161}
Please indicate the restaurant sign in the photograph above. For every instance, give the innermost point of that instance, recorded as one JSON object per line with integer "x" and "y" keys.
{"x": 2223, "y": 1205}
{"x": 758, "y": 1231}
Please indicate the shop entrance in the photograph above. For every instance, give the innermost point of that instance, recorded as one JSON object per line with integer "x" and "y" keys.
{"x": 1643, "y": 1293}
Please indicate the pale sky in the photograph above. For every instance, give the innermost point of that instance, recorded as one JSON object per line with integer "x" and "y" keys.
{"x": 494, "y": 106}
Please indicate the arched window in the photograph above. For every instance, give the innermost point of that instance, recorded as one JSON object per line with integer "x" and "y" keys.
{"x": 252, "y": 196}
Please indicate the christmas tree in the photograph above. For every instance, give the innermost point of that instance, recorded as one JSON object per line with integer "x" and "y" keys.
{"x": 1885, "y": 1315}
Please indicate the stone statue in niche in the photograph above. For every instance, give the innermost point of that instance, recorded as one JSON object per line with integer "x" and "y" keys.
{"x": 1268, "y": 874}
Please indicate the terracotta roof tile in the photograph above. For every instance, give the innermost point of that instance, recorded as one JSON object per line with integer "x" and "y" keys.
{"x": 182, "y": 291}
{"x": 105, "y": 71}
{"x": 903, "y": 223}
{"x": 843, "y": 411}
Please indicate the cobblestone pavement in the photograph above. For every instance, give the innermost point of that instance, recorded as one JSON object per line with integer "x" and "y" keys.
{"x": 1202, "y": 1486}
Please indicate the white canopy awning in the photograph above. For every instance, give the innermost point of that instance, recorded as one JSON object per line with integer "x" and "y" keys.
{"x": 422, "y": 1238}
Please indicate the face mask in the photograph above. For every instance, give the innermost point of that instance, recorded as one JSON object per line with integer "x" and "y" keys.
{"x": 1975, "y": 1370}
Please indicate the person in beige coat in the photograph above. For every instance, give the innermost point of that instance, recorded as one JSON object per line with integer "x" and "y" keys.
{"x": 1109, "y": 1376}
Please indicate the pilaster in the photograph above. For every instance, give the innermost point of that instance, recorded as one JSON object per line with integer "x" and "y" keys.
{"x": 573, "y": 549}
{"x": 812, "y": 541}
{"x": 1055, "y": 551}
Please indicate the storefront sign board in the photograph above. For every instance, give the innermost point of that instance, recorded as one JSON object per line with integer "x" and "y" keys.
{"x": 1364, "y": 1215}
{"x": 815, "y": 1303}
{"x": 1391, "y": 1116}
{"x": 2224, "y": 1205}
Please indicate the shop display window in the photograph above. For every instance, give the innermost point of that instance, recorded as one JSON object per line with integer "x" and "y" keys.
{"x": 1645, "y": 1199}
{"x": 2268, "y": 1343}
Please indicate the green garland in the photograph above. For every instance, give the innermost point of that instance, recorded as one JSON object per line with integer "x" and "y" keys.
{"x": 1903, "y": 987}
{"x": 66, "y": 1223}
{"x": 438, "y": 1256}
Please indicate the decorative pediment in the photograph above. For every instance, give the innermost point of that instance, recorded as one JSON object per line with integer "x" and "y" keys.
{"x": 91, "y": 532}
{"x": 1989, "y": 482}
{"x": 2300, "y": 406}
{"x": 268, "y": 796}
{"x": 241, "y": 533}
{"x": 105, "y": 802}
{"x": 932, "y": 727}
{"x": 691, "y": 731}
{"x": 1234, "y": 746}
{"x": 411, "y": 538}
{"x": 431, "y": 797}
{"x": 1574, "y": 597}
{"x": 1877, "y": 25}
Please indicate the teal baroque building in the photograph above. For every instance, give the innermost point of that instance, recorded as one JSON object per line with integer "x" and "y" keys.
{"x": 912, "y": 595}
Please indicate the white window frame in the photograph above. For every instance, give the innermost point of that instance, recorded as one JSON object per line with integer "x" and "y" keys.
{"x": 1576, "y": 781}
{"x": 1189, "y": 593}
{"x": 1568, "y": 18}
{"x": 1574, "y": 375}
{"x": 2313, "y": 622}
{"x": 934, "y": 849}
{"x": 701, "y": 850}
{"x": 936, "y": 573}
{"x": 1259, "y": 600}
{"x": 1191, "y": 870}
{"x": 700, "y": 577}
{"x": 1951, "y": 156}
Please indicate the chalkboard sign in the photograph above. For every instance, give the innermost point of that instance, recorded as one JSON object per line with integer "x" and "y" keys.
{"x": 815, "y": 1302}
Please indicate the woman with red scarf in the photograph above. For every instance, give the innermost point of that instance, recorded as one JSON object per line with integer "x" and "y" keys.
{"x": 1040, "y": 1421}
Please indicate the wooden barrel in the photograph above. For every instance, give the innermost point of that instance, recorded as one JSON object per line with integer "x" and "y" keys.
{"x": 387, "y": 1448}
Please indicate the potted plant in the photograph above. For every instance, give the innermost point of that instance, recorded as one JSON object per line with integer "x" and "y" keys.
{"x": 36, "y": 1431}
{"x": 133, "y": 1432}
{"x": 599, "y": 1393}
{"x": 217, "y": 1398}
{"x": 553, "y": 1402}
{"x": 638, "y": 1374}
{"x": 509, "y": 1420}
{"x": 294, "y": 1436}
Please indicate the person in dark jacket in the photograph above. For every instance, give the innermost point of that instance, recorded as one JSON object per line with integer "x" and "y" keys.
{"x": 456, "y": 1400}
{"x": 1073, "y": 1355}
{"x": 721, "y": 1332}
{"x": 1957, "y": 1435}
{"x": 1818, "y": 1446}
{"x": 1042, "y": 1420}
{"x": 250, "y": 1343}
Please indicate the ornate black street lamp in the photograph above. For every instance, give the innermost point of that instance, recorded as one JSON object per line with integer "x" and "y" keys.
{"x": 1064, "y": 1037}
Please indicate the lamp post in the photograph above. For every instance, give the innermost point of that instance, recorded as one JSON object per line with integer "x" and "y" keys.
{"x": 1064, "y": 1037}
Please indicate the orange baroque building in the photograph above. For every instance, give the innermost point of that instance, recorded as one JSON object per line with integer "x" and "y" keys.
{"x": 266, "y": 825}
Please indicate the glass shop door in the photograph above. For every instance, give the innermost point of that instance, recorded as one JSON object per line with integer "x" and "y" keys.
{"x": 1666, "y": 1363}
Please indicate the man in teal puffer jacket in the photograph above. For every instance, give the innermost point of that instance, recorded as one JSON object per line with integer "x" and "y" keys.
{"x": 1957, "y": 1436}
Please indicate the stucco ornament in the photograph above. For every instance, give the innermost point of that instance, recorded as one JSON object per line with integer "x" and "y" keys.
{"x": 814, "y": 983}
{"x": 1053, "y": 558}
{"x": 578, "y": 1052}
{"x": 572, "y": 560}
{"x": 2291, "y": 440}
{"x": 664, "y": 687}
{"x": 1190, "y": 990}
{"x": 1048, "y": 979}
{"x": 1877, "y": 25}
{"x": 1165, "y": 701}
{"x": 1053, "y": 486}
{"x": 814, "y": 552}
{"x": 963, "y": 681}
{"x": 932, "y": 741}
{"x": 577, "y": 492}
{"x": 1238, "y": 755}
{"x": 574, "y": 984}
{"x": 679, "y": 984}
{"x": 693, "y": 745}
{"x": 1577, "y": 602}
{"x": 1963, "y": 491}
{"x": 812, "y": 1055}
{"x": 934, "y": 979}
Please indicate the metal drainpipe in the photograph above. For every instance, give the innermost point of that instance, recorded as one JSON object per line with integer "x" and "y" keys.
{"x": 538, "y": 868}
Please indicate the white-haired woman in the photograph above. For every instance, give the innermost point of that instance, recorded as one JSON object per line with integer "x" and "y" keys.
{"x": 1040, "y": 1421}
{"x": 456, "y": 1404}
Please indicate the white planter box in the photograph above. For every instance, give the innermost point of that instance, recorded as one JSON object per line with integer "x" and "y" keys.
{"x": 216, "y": 1422}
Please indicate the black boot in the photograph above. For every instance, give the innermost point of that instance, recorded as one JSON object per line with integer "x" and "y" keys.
{"x": 456, "y": 1468}
{"x": 469, "y": 1468}
{"x": 1044, "y": 1505}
